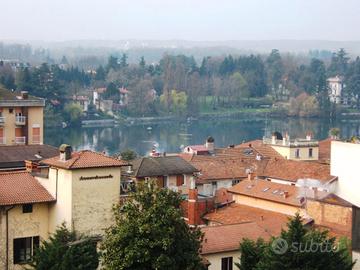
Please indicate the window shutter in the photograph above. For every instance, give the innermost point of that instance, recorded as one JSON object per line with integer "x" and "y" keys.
{"x": 17, "y": 246}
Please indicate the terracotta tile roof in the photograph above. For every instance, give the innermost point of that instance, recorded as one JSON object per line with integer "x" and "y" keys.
{"x": 292, "y": 170}
{"x": 271, "y": 191}
{"x": 332, "y": 198}
{"x": 221, "y": 167}
{"x": 222, "y": 196}
{"x": 20, "y": 188}
{"x": 263, "y": 149}
{"x": 235, "y": 213}
{"x": 13, "y": 156}
{"x": 10, "y": 95}
{"x": 228, "y": 237}
{"x": 85, "y": 159}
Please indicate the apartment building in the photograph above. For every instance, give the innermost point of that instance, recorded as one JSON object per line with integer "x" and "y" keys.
{"x": 78, "y": 188}
{"x": 21, "y": 118}
{"x": 297, "y": 149}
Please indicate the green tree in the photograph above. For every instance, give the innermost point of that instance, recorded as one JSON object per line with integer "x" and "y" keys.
{"x": 112, "y": 92}
{"x": 297, "y": 248}
{"x": 238, "y": 87}
{"x": 65, "y": 251}
{"x": 175, "y": 100}
{"x": 275, "y": 69}
{"x": 73, "y": 113}
{"x": 150, "y": 233}
{"x": 112, "y": 63}
{"x": 251, "y": 253}
{"x": 123, "y": 60}
{"x": 353, "y": 81}
{"x": 128, "y": 155}
{"x": 339, "y": 63}
{"x": 100, "y": 73}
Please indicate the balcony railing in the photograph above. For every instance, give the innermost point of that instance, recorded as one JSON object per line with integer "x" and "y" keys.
{"x": 2, "y": 140}
{"x": 36, "y": 139}
{"x": 2, "y": 120}
{"x": 20, "y": 140}
{"x": 20, "y": 120}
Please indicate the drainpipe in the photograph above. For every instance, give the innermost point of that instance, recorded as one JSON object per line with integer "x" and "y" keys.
{"x": 7, "y": 237}
{"x": 56, "y": 191}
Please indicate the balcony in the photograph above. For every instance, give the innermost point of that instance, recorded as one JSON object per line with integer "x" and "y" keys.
{"x": 2, "y": 120}
{"x": 2, "y": 140}
{"x": 20, "y": 120}
{"x": 20, "y": 140}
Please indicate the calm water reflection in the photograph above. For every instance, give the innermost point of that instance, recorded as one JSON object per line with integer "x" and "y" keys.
{"x": 171, "y": 136}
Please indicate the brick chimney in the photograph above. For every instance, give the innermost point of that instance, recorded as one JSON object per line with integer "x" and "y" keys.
{"x": 286, "y": 194}
{"x": 193, "y": 206}
{"x": 32, "y": 166}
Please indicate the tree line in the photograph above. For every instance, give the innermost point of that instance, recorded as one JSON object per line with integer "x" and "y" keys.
{"x": 186, "y": 87}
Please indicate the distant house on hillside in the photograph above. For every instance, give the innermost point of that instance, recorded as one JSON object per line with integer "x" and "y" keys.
{"x": 336, "y": 86}
{"x": 83, "y": 101}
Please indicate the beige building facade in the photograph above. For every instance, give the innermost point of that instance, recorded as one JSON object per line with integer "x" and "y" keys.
{"x": 78, "y": 189}
{"x": 298, "y": 149}
{"x": 21, "y": 119}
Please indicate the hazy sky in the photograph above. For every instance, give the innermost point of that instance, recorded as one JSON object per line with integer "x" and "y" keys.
{"x": 179, "y": 19}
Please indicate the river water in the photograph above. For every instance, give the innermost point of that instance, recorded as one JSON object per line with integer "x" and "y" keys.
{"x": 170, "y": 137}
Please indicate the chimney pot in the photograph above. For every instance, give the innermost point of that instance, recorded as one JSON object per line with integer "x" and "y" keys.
{"x": 65, "y": 152}
{"x": 24, "y": 94}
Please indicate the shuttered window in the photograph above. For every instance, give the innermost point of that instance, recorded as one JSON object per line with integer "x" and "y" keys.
{"x": 356, "y": 229}
{"x": 180, "y": 180}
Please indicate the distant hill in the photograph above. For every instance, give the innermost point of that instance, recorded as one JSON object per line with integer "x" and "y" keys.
{"x": 153, "y": 50}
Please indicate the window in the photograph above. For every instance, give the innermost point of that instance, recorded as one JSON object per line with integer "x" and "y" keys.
{"x": 310, "y": 152}
{"x": 27, "y": 208}
{"x": 24, "y": 249}
{"x": 227, "y": 263}
{"x": 234, "y": 182}
{"x": 297, "y": 153}
{"x": 36, "y": 135}
{"x": 11, "y": 110}
{"x": 180, "y": 180}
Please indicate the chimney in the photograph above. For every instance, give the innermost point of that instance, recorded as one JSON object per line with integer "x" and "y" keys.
{"x": 250, "y": 175}
{"x": 273, "y": 138}
{"x": 24, "y": 94}
{"x": 31, "y": 166}
{"x": 65, "y": 152}
{"x": 309, "y": 136}
{"x": 193, "y": 208}
{"x": 210, "y": 144}
{"x": 286, "y": 194}
{"x": 315, "y": 189}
